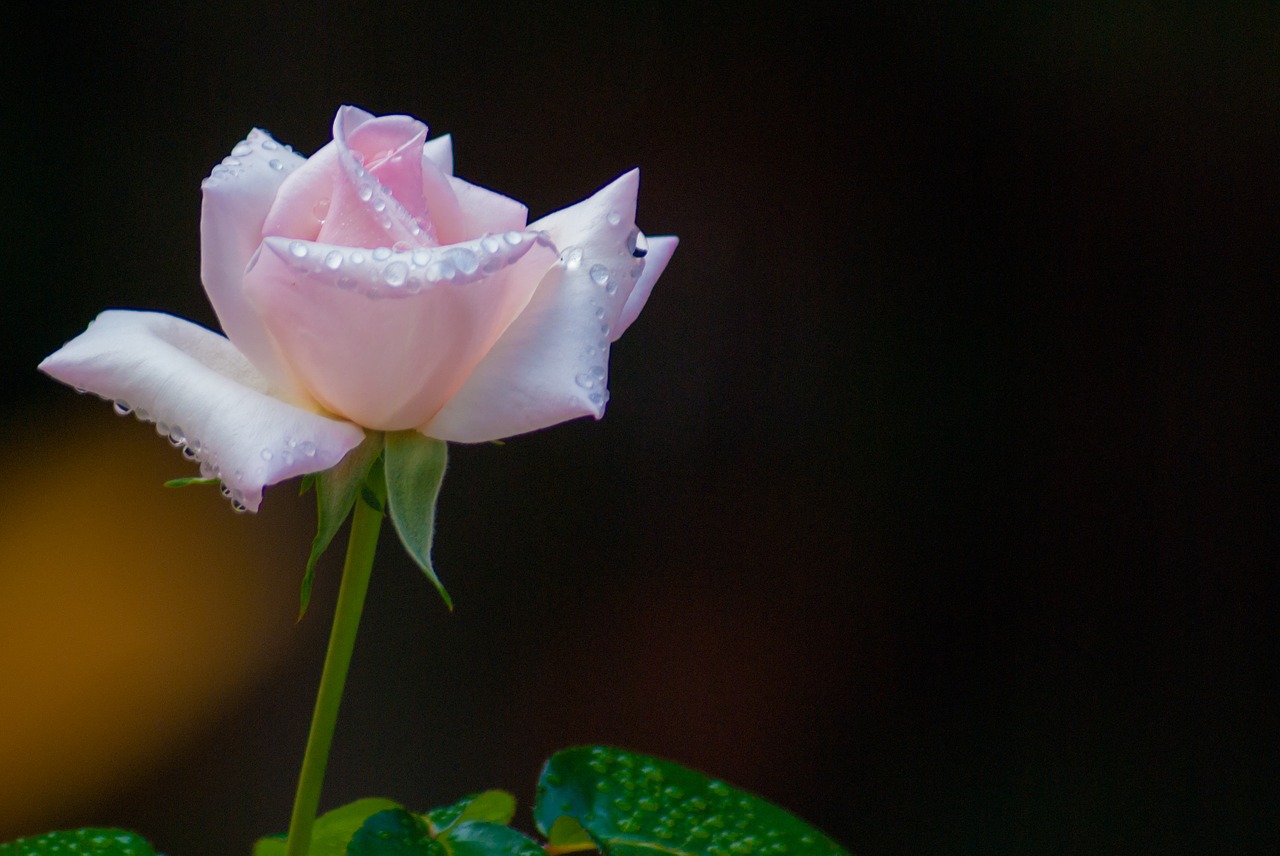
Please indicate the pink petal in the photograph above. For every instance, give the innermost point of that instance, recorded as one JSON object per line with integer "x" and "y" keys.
{"x": 385, "y": 338}
{"x": 440, "y": 151}
{"x": 655, "y": 262}
{"x": 482, "y": 210}
{"x": 335, "y": 199}
{"x": 237, "y": 197}
{"x": 551, "y": 365}
{"x": 203, "y": 394}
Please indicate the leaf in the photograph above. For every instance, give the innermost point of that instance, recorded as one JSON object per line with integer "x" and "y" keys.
{"x": 188, "y": 482}
{"x": 336, "y": 490}
{"x": 415, "y": 468}
{"x": 634, "y": 805}
{"x": 332, "y": 831}
{"x": 394, "y": 832}
{"x": 493, "y": 806}
{"x": 99, "y": 842}
{"x": 483, "y": 838}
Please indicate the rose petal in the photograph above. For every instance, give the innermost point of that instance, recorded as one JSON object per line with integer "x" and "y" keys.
{"x": 483, "y": 210}
{"x": 237, "y": 196}
{"x": 551, "y": 365}
{"x": 390, "y": 364}
{"x": 440, "y": 151}
{"x": 390, "y": 148}
{"x": 335, "y": 199}
{"x": 655, "y": 262}
{"x": 204, "y": 393}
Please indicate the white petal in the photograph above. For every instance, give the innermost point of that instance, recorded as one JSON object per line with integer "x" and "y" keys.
{"x": 237, "y": 196}
{"x": 551, "y": 364}
{"x": 440, "y": 150}
{"x": 655, "y": 262}
{"x": 204, "y": 394}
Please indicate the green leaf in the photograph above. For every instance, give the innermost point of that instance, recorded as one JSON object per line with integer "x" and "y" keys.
{"x": 332, "y": 831}
{"x": 394, "y": 832}
{"x": 336, "y": 490}
{"x": 272, "y": 845}
{"x": 634, "y": 805}
{"x": 483, "y": 838}
{"x": 415, "y": 468}
{"x": 99, "y": 842}
{"x": 493, "y": 806}
{"x": 188, "y": 482}
{"x": 567, "y": 835}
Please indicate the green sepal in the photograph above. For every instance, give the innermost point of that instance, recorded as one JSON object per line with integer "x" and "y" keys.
{"x": 393, "y": 832}
{"x": 630, "y": 804}
{"x": 97, "y": 842}
{"x": 332, "y": 831}
{"x": 484, "y": 838}
{"x": 336, "y": 491}
{"x": 188, "y": 482}
{"x": 415, "y": 467}
{"x": 306, "y": 484}
{"x": 492, "y": 806}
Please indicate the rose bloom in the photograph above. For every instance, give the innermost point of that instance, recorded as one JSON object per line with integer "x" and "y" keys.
{"x": 367, "y": 287}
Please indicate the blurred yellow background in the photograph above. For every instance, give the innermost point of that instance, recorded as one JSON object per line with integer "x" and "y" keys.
{"x": 129, "y": 613}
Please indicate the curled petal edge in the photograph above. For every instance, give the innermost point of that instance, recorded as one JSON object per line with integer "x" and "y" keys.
{"x": 205, "y": 396}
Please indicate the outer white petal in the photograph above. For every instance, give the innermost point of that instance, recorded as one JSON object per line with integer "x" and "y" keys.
{"x": 237, "y": 196}
{"x": 440, "y": 150}
{"x": 551, "y": 364}
{"x": 203, "y": 394}
{"x": 655, "y": 262}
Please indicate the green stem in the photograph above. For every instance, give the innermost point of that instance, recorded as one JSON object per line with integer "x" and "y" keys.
{"x": 342, "y": 639}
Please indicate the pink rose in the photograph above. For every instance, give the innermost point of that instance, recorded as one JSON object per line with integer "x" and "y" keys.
{"x": 368, "y": 288}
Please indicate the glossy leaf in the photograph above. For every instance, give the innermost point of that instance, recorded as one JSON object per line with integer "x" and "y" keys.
{"x": 336, "y": 491}
{"x": 415, "y": 468}
{"x": 492, "y": 806}
{"x": 634, "y": 805}
{"x": 483, "y": 838}
{"x": 394, "y": 832}
{"x": 332, "y": 831}
{"x": 98, "y": 842}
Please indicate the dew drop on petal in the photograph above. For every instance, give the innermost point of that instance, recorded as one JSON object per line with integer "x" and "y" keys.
{"x": 599, "y": 274}
{"x": 614, "y": 218}
{"x": 275, "y": 164}
{"x": 490, "y": 244}
{"x": 585, "y": 380}
{"x": 307, "y": 448}
{"x": 297, "y": 249}
{"x": 122, "y": 408}
{"x": 572, "y": 258}
{"x": 265, "y": 454}
{"x": 637, "y": 244}
{"x": 357, "y": 258}
{"x": 321, "y": 209}
{"x": 242, "y": 149}
{"x": 421, "y": 258}
{"x": 270, "y": 145}
{"x": 333, "y": 259}
{"x": 464, "y": 260}
{"x": 515, "y": 239}
{"x": 365, "y": 192}
{"x": 382, "y": 254}
{"x": 395, "y": 274}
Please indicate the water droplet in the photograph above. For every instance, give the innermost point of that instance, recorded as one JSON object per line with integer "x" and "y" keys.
{"x": 122, "y": 408}
{"x": 297, "y": 249}
{"x": 401, "y": 246}
{"x": 189, "y": 453}
{"x": 572, "y": 258}
{"x": 242, "y": 149}
{"x": 239, "y": 507}
{"x": 611, "y": 288}
{"x": 614, "y": 218}
{"x": 515, "y": 239}
{"x": 176, "y": 437}
{"x": 585, "y": 380}
{"x": 286, "y": 457}
{"x": 275, "y": 164}
{"x": 490, "y": 244}
{"x": 162, "y": 428}
{"x": 381, "y": 254}
{"x": 395, "y": 274}
{"x": 596, "y": 398}
{"x": 333, "y": 259}
{"x": 365, "y": 192}
{"x": 307, "y": 448}
{"x": 637, "y": 244}
{"x": 599, "y": 274}
{"x": 464, "y": 260}
{"x": 357, "y": 258}
{"x": 438, "y": 270}
{"x": 270, "y": 145}
{"x": 265, "y": 454}
{"x": 598, "y": 372}
{"x": 421, "y": 258}
{"x": 321, "y": 209}
{"x": 380, "y": 204}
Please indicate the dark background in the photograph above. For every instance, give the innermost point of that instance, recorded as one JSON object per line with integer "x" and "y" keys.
{"x": 936, "y": 499}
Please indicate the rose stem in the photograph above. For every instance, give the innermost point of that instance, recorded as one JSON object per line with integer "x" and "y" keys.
{"x": 342, "y": 639}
